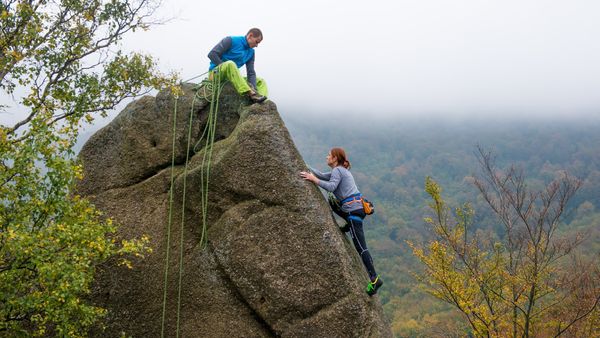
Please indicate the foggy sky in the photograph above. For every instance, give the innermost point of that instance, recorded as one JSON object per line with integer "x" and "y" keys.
{"x": 402, "y": 57}
{"x": 398, "y": 57}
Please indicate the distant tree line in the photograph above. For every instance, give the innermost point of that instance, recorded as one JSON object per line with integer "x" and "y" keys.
{"x": 391, "y": 160}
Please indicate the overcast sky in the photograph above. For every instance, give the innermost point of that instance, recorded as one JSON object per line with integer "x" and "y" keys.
{"x": 399, "y": 57}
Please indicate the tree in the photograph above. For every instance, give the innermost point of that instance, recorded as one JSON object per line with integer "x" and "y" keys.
{"x": 62, "y": 59}
{"x": 527, "y": 282}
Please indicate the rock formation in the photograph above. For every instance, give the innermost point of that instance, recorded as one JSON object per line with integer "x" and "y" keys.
{"x": 276, "y": 263}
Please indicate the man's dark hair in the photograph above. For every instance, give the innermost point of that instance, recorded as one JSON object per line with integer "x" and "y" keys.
{"x": 255, "y": 32}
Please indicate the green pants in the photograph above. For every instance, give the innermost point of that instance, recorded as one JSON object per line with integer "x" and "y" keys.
{"x": 228, "y": 71}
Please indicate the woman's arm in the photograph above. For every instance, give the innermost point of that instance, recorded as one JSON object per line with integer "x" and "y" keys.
{"x": 320, "y": 175}
{"x": 333, "y": 182}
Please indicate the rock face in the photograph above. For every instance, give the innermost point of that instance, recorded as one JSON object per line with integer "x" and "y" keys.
{"x": 276, "y": 263}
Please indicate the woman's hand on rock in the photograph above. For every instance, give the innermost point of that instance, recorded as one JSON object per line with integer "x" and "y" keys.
{"x": 309, "y": 177}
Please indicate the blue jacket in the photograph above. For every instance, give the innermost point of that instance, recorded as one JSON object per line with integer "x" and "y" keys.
{"x": 238, "y": 51}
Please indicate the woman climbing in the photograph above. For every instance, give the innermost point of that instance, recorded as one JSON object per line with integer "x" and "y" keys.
{"x": 348, "y": 205}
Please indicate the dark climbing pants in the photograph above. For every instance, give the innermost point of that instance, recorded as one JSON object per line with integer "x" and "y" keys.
{"x": 354, "y": 225}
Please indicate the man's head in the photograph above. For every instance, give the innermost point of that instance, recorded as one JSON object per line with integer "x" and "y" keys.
{"x": 254, "y": 37}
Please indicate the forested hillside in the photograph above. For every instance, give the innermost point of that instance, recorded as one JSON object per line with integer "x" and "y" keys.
{"x": 391, "y": 159}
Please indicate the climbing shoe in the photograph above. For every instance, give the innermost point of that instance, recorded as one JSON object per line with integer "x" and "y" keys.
{"x": 256, "y": 97}
{"x": 374, "y": 286}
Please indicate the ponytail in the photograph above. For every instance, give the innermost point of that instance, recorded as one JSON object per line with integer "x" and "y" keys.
{"x": 340, "y": 155}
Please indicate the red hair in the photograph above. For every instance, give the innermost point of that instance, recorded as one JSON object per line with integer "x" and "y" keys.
{"x": 340, "y": 155}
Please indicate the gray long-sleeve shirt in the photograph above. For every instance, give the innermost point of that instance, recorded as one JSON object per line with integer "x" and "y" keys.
{"x": 341, "y": 182}
{"x": 223, "y": 46}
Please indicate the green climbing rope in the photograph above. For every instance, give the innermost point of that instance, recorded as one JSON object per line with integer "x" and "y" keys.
{"x": 209, "y": 132}
{"x": 210, "y": 129}
{"x": 185, "y": 169}
{"x": 164, "y": 307}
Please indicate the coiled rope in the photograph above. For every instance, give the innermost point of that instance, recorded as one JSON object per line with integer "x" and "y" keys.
{"x": 215, "y": 87}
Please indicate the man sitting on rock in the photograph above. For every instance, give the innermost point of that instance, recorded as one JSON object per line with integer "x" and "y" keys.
{"x": 232, "y": 53}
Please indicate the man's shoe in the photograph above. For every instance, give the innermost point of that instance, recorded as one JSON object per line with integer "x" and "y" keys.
{"x": 256, "y": 97}
{"x": 374, "y": 286}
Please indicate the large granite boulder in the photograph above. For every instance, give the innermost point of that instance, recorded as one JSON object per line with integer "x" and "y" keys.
{"x": 276, "y": 263}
